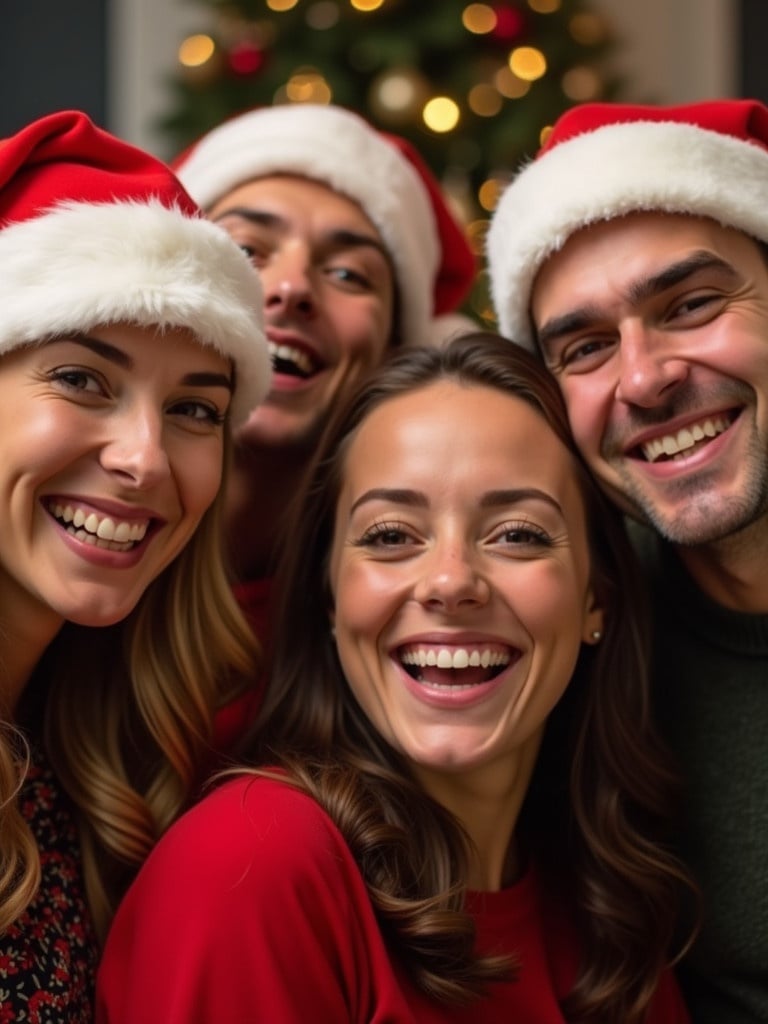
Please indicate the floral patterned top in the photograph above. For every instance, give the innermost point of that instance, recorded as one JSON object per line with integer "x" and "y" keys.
{"x": 48, "y": 956}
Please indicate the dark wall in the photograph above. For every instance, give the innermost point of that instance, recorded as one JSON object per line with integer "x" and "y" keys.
{"x": 754, "y": 42}
{"x": 52, "y": 57}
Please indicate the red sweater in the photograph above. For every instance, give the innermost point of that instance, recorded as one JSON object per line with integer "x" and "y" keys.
{"x": 251, "y": 908}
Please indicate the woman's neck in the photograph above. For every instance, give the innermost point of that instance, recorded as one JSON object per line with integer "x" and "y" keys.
{"x": 487, "y": 800}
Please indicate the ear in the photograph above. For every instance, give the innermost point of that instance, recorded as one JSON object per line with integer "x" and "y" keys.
{"x": 594, "y": 622}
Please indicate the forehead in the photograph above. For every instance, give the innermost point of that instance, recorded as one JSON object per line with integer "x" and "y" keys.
{"x": 606, "y": 260}
{"x": 632, "y": 244}
{"x": 450, "y": 436}
{"x": 294, "y": 197}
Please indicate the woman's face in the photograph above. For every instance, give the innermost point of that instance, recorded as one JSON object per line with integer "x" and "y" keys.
{"x": 460, "y": 574}
{"x": 112, "y": 448}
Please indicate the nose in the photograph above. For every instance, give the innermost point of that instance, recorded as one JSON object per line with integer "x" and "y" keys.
{"x": 651, "y": 368}
{"x": 136, "y": 451}
{"x": 287, "y": 282}
{"x": 451, "y": 579}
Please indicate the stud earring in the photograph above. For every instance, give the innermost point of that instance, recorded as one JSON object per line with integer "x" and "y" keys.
{"x": 596, "y": 635}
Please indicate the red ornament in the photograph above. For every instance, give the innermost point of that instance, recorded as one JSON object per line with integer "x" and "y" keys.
{"x": 510, "y": 23}
{"x": 245, "y": 58}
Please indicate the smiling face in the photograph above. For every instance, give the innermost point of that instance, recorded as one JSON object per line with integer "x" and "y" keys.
{"x": 328, "y": 295}
{"x": 112, "y": 452}
{"x": 656, "y": 328}
{"x": 460, "y": 576}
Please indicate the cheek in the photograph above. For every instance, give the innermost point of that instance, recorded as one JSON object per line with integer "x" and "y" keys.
{"x": 588, "y": 405}
{"x": 363, "y": 335}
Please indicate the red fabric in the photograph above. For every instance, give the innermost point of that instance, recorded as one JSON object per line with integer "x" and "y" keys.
{"x": 743, "y": 119}
{"x": 64, "y": 156}
{"x": 251, "y": 908}
{"x": 458, "y": 267}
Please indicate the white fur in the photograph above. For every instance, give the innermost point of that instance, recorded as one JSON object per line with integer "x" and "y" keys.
{"x": 615, "y": 170}
{"x": 81, "y": 265}
{"x": 339, "y": 149}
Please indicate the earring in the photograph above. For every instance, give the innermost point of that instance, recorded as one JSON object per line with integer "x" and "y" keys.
{"x": 596, "y": 635}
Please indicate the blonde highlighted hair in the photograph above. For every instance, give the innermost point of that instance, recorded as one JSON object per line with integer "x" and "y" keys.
{"x": 128, "y": 723}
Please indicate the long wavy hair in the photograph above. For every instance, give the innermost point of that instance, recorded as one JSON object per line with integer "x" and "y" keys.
{"x": 127, "y": 722}
{"x": 600, "y": 804}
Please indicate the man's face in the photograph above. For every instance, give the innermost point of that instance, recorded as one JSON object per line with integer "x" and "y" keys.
{"x": 329, "y": 297}
{"x": 656, "y": 328}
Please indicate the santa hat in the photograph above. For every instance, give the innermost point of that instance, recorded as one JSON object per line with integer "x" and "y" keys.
{"x": 434, "y": 264}
{"x": 605, "y": 160}
{"x": 94, "y": 231}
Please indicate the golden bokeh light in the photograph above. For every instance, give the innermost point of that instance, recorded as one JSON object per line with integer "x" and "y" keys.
{"x": 441, "y": 114}
{"x": 196, "y": 50}
{"x": 307, "y": 86}
{"x": 484, "y": 100}
{"x": 281, "y": 5}
{"x": 479, "y": 19}
{"x": 545, "y": 6}
{"x": 366, "y": 5}
{"x": 509, "y": 85}
{"x": 528, "y": 63}
{"x": 489, "y": 192}
{"x": 581, "y": 84}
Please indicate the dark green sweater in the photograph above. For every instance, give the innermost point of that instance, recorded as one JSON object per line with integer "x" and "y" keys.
{"x": 711, "y": 684}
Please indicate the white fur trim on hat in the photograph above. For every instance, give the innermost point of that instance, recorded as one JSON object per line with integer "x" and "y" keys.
{"x": 609, "y": 172}
{"x": 81, "y": 265}
{"x": 336, "y": 147}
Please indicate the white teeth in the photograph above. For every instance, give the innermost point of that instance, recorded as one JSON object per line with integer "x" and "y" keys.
{"x": 685, "y": 438}
{"x": 289, "y": 354}
{"x": 459, "y": 658}
{"x": 103, "y": 533}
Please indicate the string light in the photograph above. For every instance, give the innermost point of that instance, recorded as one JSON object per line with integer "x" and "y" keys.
{"x": 480, "y": 19}
{"x": 528, "y": 63}
{"x": 196, "y": 50}
{"x": 441, "y": 114}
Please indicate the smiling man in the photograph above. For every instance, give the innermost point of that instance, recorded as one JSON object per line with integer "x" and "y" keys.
{"x": 357, "y": 251}
{"x": 631, "y": 254}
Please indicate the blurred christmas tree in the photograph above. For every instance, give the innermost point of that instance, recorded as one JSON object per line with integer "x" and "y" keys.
{"x": 472, "y": 85}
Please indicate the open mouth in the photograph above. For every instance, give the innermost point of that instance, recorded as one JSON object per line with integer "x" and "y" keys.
{"x": 293, "y": 362}
{"x": 687, "y": 440}
{"x": 100, "y": 531}
{"x": 455, "y": 667}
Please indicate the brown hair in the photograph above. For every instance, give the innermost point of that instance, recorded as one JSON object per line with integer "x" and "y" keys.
{"x": 596, "y": 814}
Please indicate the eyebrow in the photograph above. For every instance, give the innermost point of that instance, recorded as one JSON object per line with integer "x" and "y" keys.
{"x": 512, "y": 496}
{"x": 396, "y": 495}
{"x": 491, "y": 499}
{"x": 639, "y": 291}
{"x": 120, "y": 358}
{"x": 341, "y": 238}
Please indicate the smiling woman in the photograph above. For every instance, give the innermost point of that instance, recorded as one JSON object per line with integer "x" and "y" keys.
{"x": 131, "y": 336}
{"x": 457, "y": 805}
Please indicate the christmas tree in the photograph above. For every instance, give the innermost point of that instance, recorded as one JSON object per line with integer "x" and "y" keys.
{"x": 472, "y": 85}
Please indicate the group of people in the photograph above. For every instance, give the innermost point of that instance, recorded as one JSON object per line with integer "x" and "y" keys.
{"x": 370, "y": 666}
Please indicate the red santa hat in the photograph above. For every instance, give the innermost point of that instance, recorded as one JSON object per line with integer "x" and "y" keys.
{"x": 94, "y": 231}
{"x": 605, "y": 160}
{"x": 434, "y": 264}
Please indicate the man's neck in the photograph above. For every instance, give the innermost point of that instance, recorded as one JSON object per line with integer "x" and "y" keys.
{"x": 260, "y": 488}
{"x": 733, "y": 571}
